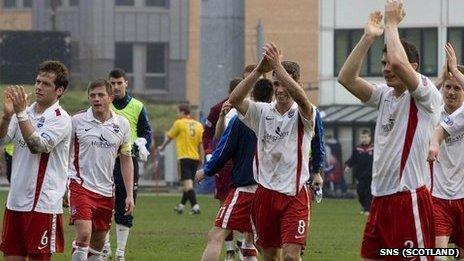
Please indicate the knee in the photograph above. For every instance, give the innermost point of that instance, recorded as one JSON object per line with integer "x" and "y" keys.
{"x": 292, "y": 253}
{"x": 291, "y": 256}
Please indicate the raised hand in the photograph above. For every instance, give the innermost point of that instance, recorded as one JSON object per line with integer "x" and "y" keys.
{"x": 264, "y": 66}
{"x": 273, "y": 55}
{"x": 374, "y": 26}
{"x": 226, "y": 106}
{"x": 8, "y": 109}
{"x": 19, "y": 98}
{"x": 394, "y": 12}
{"x": 451, "y": 60}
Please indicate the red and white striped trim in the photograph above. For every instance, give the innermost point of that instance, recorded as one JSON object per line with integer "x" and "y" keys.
{"x": 410, "y": 131}
{"x": 417, "y": 222}
{"x": 299, "y": 164}
{"x": 40, "y": 177}
{"x": 53, "y": 234}
{"x": 229, "y": 209}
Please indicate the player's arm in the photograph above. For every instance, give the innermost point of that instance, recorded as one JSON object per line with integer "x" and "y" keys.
{"x": 396, "y": 55}
{"x": 238, "y": 95}
{"x": 170, "y": 135}
{"x": 127, "y": 169}
{"x": 452, "y": 64}
{"x": 351, "y": 161}
{"x": 8, "y": 112}
{"x": 294, "y": 89}
{"x": 220, "y": 125}
{"x": 349, "y": 73}
{"x": 438, "y": 136}
{"x": 317, "y": 145}
{"x": 144, "y": 129}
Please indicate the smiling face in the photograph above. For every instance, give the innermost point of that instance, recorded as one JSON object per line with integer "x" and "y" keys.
{"x": 46, "y": 92}
{"x": 453, "y": 94}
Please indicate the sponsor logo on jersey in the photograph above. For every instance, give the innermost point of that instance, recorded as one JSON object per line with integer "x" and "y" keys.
{"x": 41, "y": 122}
{"x": 448, "y": 121}
{"x": 115, "y": 128}
{"x": 291, "y": 113}
{"x": 103, "y": 143}
{"x": 47, "y": 138}
{"x": 388, "y": 126}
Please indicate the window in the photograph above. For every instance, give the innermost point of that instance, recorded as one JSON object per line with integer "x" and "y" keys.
{"x": 456, "y": 38}
{"x": 9, "y": 3}
{"x": 124, "y": 57}
{"x": 27, "y": 3}
{"x": 425, "y": 39}
{"x": 125, "y": 2}
{"x": 155, "y": 77}
{"x": 57, "y": 3}
{"x": 75, "y": 62}
{"x": 73, "y": 2}
{"x": 159, "y": 3}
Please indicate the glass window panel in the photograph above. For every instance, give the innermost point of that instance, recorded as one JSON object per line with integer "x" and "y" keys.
{"x": 155, "y": 82}
{"x": 455, "y": 36}
{"x": 160, "y": 3}
{"x": 27, "y": 3}
{"x": 124, "y": 56}
{"x": 341, "y": 49}
{"x": 125, "y": 2}
{"x": 73, "y": 2}
{"x": 9, "y": 3}
{"x": 429, "y": 59}
{"x": 156, "y": 58}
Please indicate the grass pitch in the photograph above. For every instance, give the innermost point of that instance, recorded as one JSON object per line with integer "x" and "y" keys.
{"x": 160, "y": 234}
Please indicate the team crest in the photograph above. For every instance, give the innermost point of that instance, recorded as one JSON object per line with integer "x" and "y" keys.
{"x": 41, "y": 121}
{"x": 115, "y": 128}
{"x": 291, "y": 113}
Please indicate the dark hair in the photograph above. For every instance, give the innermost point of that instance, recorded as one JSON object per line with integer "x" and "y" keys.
{"x": 185, "y": 108}
{"x": 263, "y": 90}
{"x": 411, "y": 51}
{"x": 118, "y": 73}
{"x": 233, "y": 83}
{"x": 249, "y": 68}
{"x": 59, "y": 69}
{"x": 293, "y": 69}
{"x": 366, "y": 132}
{"x": 100, "y": 83}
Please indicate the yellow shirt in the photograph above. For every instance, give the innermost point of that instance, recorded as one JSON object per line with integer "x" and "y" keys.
{"x": 188, "y": 134}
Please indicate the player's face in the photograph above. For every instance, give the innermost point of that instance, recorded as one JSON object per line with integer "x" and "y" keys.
{"x": 99, "y": 99}
{"x": 365, "y": 139}
{"x": 453, "y": 93}
{"x": 281, "y": 94}
{"x": 119, "y": 87}
{"x": 388, "y": 74}
{"x": 46, "y": 92}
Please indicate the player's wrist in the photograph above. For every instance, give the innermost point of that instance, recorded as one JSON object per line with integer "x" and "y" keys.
{"x": 22, "y": 116}
{"x": 6, "y": 117}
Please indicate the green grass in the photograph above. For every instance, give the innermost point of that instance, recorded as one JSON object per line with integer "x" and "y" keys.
{"x": 160, "y": 234}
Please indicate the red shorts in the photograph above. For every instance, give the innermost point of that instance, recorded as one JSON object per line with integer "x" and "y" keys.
{"x": 280, "y": 219}
{"x": 88, "y": 205}
{"x": 235, "y": 212}
{"x": 400, "y": 220}
{"x": 32, "y": 234}
{"x": 222, "y": 181}
{"x": 449, "y": 219}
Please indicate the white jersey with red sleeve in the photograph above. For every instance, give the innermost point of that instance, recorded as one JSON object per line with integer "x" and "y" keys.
{"x": 448, "y": 176}
{"x": 403, "y": 131}
{"x": 283, "y": 148}
{"x": 38, "y": 181}
{"x": 95, "y": 146}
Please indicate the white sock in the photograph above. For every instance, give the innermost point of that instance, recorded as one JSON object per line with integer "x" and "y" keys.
{"x": 230, "y": 245}
{"x": 122, "y": 233}
{"x": 80, "y": 253}
{"x": 94, "y": 255}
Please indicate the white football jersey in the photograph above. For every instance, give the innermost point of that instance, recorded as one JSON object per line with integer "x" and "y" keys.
{"x": 94, "y": 150}
{"x": 448, "y": 176}
{"x": 283, "y": 149}
{"x": 38, "y": 181}
{"x": 403, "y": 130}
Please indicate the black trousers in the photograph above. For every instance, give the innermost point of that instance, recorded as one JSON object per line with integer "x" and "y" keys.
{"x": 120, "y": 193}
{"x": 363, "y": 189}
